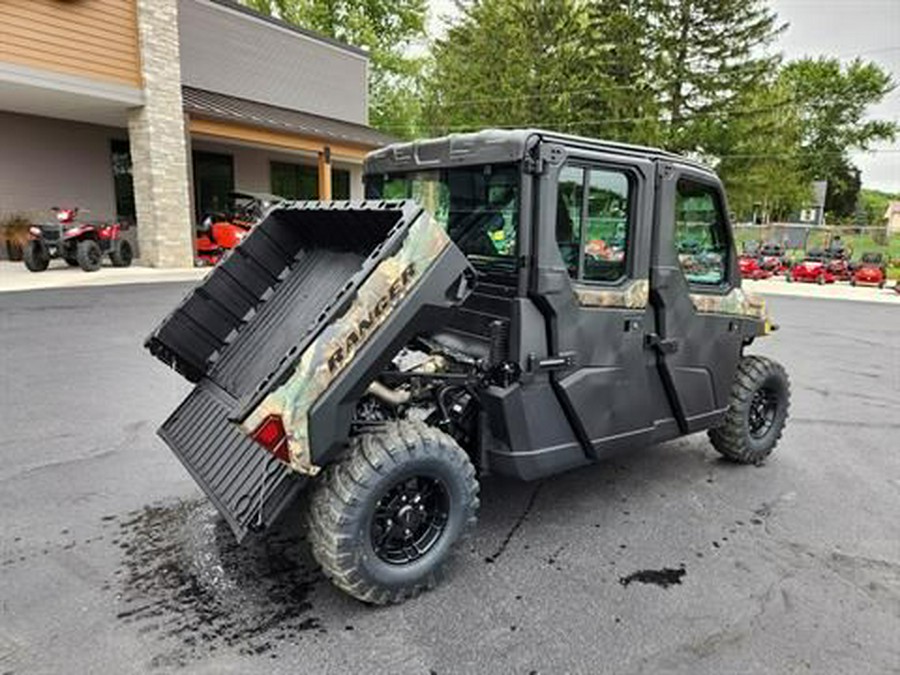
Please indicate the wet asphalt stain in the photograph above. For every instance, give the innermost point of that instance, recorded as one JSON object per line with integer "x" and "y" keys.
{"x": 186, "y": 582}
{"x": 668, "y": 576}
{"x": 515, "y": 526}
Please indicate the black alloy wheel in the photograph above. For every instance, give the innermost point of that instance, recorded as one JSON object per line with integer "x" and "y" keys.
{"x": 409, "y": 519}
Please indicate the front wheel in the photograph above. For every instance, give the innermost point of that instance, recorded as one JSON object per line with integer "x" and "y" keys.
{"x": 757, "y": 411}
{"x": 383, "y": 520}
{"x": 89, "y": 255}
{"x": 36, "y": 256}
{"x": 122, "y": 255}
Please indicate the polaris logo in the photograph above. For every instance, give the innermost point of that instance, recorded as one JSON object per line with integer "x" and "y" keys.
{"x": 376, "y": 314}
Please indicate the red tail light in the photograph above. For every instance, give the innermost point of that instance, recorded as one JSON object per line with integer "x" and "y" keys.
{"x": 271, "y": 435}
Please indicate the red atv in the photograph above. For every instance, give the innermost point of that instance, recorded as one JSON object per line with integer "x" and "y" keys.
{"x": 773, "y": 258}
{"x": 871, "y": 271}
{"x": 221, "y": 232}
{"x": 80, "y": 244}
{"x": 813, "y": 269}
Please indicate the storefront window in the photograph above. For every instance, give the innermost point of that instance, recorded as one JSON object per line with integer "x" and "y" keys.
{"x": 295, "y": 181}
{"x": 122, "y": 181}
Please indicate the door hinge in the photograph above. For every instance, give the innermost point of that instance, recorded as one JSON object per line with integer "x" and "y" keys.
{"x": 544, "y": 154}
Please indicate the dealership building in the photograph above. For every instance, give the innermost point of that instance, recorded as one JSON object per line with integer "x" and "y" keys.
{"x": 155, "y": 110}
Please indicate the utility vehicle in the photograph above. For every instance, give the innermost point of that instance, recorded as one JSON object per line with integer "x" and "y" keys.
{"x": 80, "y": 243}
{"x": 510, "y": 302}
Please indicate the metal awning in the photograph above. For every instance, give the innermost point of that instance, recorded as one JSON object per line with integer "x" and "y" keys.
{"x": 199, "y": 103}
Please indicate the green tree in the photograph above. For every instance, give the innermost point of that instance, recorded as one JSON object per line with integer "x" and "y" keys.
{"x": 619, "y": 40}
{"x": 756, "y": 155}
{"x": 875, "y": 203}
{"x": 834, "y": 101}
{"x": 388, "y": 29}
{"x": 509, "y": 63}
{"x": 706, "y": 56}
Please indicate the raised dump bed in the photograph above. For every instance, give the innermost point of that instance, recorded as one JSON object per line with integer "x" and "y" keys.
{"x": 240, "y": 333}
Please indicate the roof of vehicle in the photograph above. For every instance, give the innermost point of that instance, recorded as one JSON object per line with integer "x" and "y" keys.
{"x": 491, "y": 146}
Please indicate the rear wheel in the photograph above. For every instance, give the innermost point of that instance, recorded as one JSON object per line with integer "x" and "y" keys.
{"x": 71, "y": 261}
{"x": 36, "y": 257}
{"x": 122, "y": 255}
{"x": 89, "y": 255}
{"x": 383, "y": 520}
{"x": 757, "y": 411}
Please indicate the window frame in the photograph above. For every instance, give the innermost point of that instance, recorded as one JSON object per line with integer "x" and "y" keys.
{"x": 726, "y": 285}
{"x": 631, "y": 176}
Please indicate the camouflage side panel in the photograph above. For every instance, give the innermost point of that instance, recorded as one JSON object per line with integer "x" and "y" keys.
{"x": 334, "y": 348}
{"x": 737, "y": 302}
{"x": 632, "y": 296}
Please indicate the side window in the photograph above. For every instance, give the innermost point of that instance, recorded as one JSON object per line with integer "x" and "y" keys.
{"x": 569, "y": 204}
{"x": 592, "y": 216}
{"x": 606, "y": 226}
{"x": 700, "y": 234}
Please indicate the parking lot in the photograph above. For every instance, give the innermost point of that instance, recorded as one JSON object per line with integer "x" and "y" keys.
{"x": 662, "y": 559}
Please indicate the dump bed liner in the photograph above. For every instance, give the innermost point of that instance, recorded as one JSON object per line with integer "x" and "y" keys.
{"x": 246, "y": 321}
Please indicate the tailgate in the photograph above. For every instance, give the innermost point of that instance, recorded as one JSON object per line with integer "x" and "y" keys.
{"x": 240, "y": 332}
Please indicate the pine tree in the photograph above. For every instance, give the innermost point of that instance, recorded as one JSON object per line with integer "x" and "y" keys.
{"x": 508, "y": 63}
{"x": 706, "y": 55}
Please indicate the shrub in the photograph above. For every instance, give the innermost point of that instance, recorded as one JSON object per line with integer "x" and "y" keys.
{"x": 13, "y": 236}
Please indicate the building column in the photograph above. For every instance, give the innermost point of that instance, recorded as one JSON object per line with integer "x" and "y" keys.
{"x": 157, "y": 135}
{"x": 325, "y": 174}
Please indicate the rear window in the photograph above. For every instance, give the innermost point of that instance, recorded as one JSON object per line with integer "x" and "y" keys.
{"x": 477, "y": 206}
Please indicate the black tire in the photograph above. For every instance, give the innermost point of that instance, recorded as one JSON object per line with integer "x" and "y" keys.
{"x": 36, "y": 257}
{"x": 853, "y": 282}
{"x": 122, "y": 255}
{"x": 89, "y": 255}
{"x": 71, "y": 261}
{"x": 347, "y": 511}
{"x": 757, "y": 411}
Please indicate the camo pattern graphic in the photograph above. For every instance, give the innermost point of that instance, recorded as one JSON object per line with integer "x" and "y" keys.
{"x": 334, "y": 348}
{"x": 737, "y": 302}
{"x": 633, "y": 296}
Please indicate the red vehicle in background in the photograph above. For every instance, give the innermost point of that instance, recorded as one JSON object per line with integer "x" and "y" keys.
{"x": 773, "y": 258}
{"x": 80, "y": 243}
{"x": 813, "y": 269}
{"x": 221, "y": 232}
{"x": 871, "y": 271}
{"x": 750, "y": 268}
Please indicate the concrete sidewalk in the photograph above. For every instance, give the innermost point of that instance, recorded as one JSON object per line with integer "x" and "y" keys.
{"x": 15, "y": 277}
{"x": 836, "y": 291}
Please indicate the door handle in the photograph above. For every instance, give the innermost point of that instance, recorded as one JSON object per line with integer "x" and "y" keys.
{"x": 564, "y": 361}
{"x": 664, "y": 345}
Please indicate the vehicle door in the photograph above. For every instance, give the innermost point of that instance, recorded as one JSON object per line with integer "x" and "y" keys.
{"x": 592, "y": 282}
{"x": 695, "y": 289}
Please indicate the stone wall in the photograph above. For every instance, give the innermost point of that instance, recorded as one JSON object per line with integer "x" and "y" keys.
{"x": 158, "y": 149}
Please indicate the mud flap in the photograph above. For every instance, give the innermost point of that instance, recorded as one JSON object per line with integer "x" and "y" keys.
{"x": 248, "y": 486}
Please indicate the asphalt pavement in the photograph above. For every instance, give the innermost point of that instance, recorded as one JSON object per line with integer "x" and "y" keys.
{"x": 661, "y": 560}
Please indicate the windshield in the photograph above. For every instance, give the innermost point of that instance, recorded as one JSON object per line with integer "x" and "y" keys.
{"x": 478, "y": 206}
